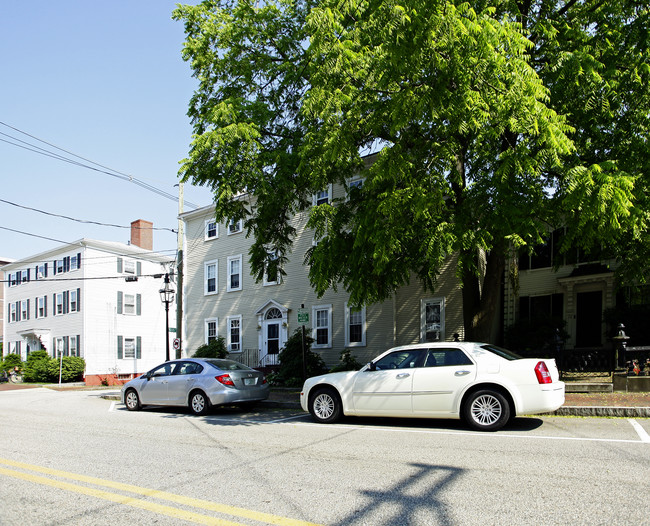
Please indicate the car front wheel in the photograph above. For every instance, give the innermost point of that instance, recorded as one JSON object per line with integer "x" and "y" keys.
{"x": 325, "y": 406}
{"x": 199, "y": 403}
{"x": 486, "y": 410}
{"x": 132, "y": 400}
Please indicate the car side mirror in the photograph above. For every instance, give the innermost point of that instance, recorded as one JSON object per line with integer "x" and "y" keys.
{"x": 372, "y": 366}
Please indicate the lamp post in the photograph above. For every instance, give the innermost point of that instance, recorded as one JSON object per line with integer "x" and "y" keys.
{"x": 167, "y": 297}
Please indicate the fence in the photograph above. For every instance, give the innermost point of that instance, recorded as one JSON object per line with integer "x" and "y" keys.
{"x": 254, "y": 358}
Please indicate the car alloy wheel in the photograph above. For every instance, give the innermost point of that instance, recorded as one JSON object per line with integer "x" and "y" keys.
{"x": 487, "y": 410}
{"x": 198, "y": 403}
{"x": 325, "y": 406}
{"x": 131, "y": 400}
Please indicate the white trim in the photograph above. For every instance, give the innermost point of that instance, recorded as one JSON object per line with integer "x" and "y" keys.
{"x": 206, "y": 323}
{"x": 348, "y": 343}
{"x": 329, "y": 195}
{"x": 229, "y": 320}
{"x": 229, "y": 274}
{"x": 238, "y": 227}
{"x": 314, "y": 311}
{"x": 206, "y": 265}
{"x": 209, "y": 222}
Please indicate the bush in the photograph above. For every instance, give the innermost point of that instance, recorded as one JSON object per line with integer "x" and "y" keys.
{"x": 215, "y": 349}
{"x": 10, "y": 361}
{"x": 347, "y": 362}
{"x": 290, "y": 372}
{"x": 39, "y": 367}
{"x": 36, "y": 367}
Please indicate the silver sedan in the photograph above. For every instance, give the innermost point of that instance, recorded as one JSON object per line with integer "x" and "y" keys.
{"x": 197, "y": 383}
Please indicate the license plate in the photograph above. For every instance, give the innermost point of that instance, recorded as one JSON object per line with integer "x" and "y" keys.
{"x": 249, "y": 381}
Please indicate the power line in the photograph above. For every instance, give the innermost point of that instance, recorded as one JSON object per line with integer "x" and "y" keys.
{"x": 82, "y": 220}
{"x": 97, "y": 167}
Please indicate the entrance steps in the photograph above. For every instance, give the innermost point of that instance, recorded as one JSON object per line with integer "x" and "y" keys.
{"x": 589, "y": 387}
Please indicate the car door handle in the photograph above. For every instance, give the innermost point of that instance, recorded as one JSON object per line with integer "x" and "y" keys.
{"x": 461, "y": 373}
{"x": 403, "y": 375}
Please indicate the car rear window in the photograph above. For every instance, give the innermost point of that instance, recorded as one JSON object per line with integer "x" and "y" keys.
{"x": 226, "y": 365}
{"x": 503, "y": 353}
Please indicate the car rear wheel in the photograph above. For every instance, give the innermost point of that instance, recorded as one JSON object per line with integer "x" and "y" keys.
{"x": 486, "y": 410}
{"x": 199, "y": 403}
{"x": 325, "y": 406}
{"x": 132, "y": 400}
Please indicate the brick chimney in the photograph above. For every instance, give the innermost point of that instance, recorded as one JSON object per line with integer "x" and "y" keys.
{"x": 142, "y": 234}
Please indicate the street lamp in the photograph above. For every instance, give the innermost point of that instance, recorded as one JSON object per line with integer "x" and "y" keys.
{"x": 167, "y": 297}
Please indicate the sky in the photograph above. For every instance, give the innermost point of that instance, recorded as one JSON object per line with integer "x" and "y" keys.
{"x": 105, "y": 81}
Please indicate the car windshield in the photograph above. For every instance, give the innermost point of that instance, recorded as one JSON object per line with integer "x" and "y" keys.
{"x": 226, "y": 365}
{"x": 503, "y": 353}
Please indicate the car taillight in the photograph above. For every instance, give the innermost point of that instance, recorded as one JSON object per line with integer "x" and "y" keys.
{"x": 263, "y": 380}
{"x": 543, "y": 376}
{"x": 225, "y": 380}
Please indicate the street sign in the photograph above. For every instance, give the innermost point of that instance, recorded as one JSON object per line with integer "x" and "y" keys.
{"x": 172, "y": 329}
{"x": 303, "y": 316}
{"x": 177, "y": 344}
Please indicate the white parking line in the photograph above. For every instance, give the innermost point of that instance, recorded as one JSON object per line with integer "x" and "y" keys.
{"x": 640, "y": 431}
{"x": 112, "y": 407}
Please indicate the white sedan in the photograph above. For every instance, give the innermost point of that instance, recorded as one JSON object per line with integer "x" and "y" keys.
{"x": 483, "y": 384}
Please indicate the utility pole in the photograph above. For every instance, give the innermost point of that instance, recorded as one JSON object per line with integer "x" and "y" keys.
{"x": 179, "y": 273}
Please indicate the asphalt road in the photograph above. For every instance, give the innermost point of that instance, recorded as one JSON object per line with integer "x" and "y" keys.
{"x": 75, "y": 458}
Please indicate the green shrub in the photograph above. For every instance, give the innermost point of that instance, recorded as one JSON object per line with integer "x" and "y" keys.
{"x": 215, "y": 349}
{"x": 291, "y": 371}
{"x": 39, "y": 367}
{"x": 10, "y": 361}
{"x": 36, "y": 367}
{"x": 347, "y": 362}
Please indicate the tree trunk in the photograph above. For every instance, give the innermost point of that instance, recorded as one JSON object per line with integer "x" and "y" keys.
{"x": 481, "y": 305}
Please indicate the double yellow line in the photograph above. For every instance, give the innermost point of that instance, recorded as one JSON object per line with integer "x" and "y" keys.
{"x": 28, "y": 473}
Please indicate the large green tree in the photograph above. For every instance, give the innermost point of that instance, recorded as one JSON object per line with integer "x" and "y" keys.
{"x": 491, "y": 123}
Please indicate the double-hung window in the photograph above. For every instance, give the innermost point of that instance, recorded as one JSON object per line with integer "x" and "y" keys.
{"x": 13, "y": 316}
{"x": 210, "y": 277}
{"x": 323, "y": 197}
{"x": 355, "y": 327}
{"x": 24, "y": 310}
{"x": 58, "y": 304}
{"x": 211, "y": 329}
{"x": 322, "y": 326}
{"x": 234, "y": 333}
{"x": 129, "y": 303}
{"x": 235, "y": 227}
{"x": 271, "y": 270}
{"x": 41, "y": 307}
{"x": 234, "y": 273}
{"x": 211, "y": 229}
{"x": 74, "y": 301}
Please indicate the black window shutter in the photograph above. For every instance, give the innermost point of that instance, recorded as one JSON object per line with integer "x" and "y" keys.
{"x": 79, "y": 345}
{"x": 54, "y": 267}
{"x": 54, "y": 304}
{"x": 78, "y": 300}
{"x": 28, "y": 309}
{"x": 66, "y": 345}
{"x": 138, "y": 347}
{"x": 66, "y": 301}
{"x": 46, "y": 265}
{"x": 17, "y": 311}
{"x": 120, "y": 352}
{"x": 78, "y": 259}
{"x": 28, "y": 274}
{"x": 45, "y": 306}
{"x": 119, "y": 302}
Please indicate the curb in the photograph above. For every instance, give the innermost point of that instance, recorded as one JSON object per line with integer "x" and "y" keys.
{"x": 625, "y": 412}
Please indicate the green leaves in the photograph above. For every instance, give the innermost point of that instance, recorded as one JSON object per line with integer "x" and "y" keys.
{"x": 490, "y": 125}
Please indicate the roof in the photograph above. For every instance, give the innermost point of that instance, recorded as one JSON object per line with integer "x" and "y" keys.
{"x": 113, "y": 247}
